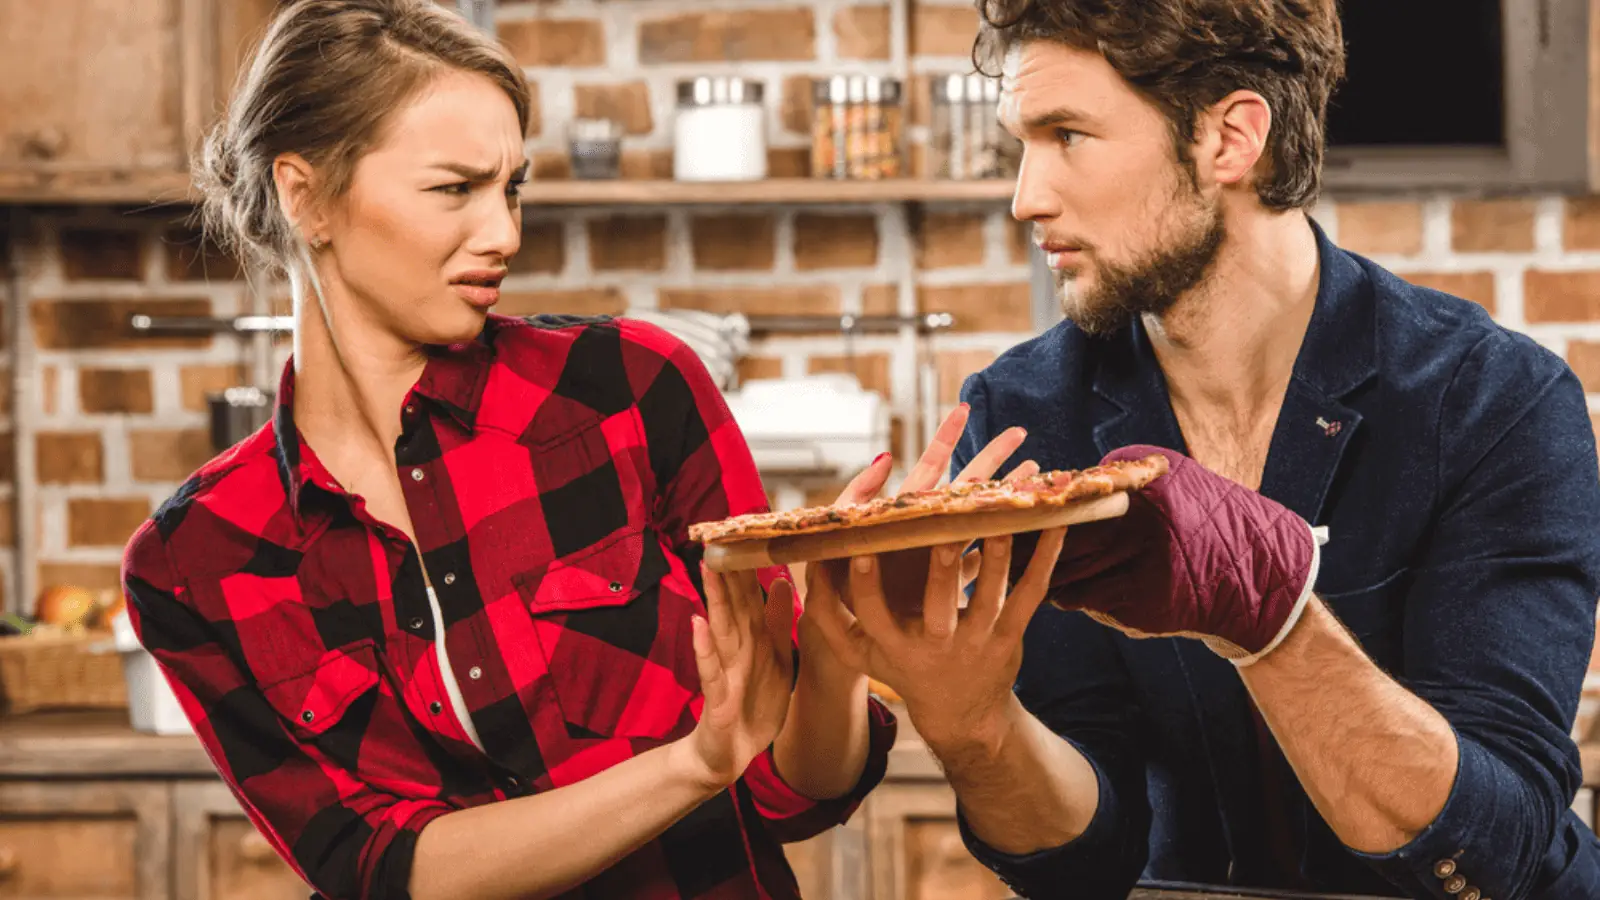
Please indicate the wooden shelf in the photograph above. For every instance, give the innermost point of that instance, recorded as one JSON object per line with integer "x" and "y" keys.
{"x": 145, "y": 188}
{"x": 777, "y": 191}
{"x": 173, "y": 187}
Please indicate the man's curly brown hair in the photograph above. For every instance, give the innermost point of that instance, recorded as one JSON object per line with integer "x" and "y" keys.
{"x": 1185, "y": 55}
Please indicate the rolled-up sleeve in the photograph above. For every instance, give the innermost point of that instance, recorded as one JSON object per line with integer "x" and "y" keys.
{"x": 1499, "y": 625}
{"x": 341, "y": 836}
{"x": 791, "y": 815}
{"x": 1074, "y": 681}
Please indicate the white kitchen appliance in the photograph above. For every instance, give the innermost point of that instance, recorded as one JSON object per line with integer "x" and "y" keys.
{"x": 813, "y": 425}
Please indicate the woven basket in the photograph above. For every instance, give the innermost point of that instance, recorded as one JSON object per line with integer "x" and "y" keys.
{"x": 59, "y": 673}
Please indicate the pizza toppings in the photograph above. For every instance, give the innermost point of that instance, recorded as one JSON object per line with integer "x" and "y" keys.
{"x": 1043, "y": 489}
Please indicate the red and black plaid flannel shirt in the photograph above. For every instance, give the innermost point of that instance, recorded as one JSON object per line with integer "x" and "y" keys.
{"x": 551, "y": 469}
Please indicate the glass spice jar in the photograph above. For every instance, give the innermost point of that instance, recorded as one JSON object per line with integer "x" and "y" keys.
{"x": 890, "y": 162}
{"x": 829, "y": 126}
{"x": 719, "y": 130}
{"x": 856, "y": 127}
{"x": 947, "y": 128}
{"x": 874, "y": 140}
{"x": 982, "y": 159}
{"x": 595, "y": 146}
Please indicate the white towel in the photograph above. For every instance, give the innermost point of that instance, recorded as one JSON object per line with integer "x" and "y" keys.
{"x": 719, "y": 340}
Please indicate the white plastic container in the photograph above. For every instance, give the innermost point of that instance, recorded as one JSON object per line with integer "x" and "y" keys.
{"x": 152, "y": 707}
{"x": 719, "y": 131}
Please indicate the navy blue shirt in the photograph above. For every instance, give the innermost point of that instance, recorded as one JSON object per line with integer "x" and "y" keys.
{"x": 1454, "y": 464}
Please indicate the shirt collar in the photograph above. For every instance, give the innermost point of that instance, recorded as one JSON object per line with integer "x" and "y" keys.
{"x": 453, "y": 378}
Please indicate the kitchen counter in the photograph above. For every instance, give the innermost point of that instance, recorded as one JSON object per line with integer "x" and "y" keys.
{"x": 1204, "y": 894}
{"x": 77, "y": 751}
{"x": 101, "y": 744}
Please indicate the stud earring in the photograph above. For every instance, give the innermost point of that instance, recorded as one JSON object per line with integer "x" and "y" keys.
{"x": 318, "y": 242}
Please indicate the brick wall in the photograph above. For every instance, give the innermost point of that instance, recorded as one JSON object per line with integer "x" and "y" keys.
{"x": 118, "y": 420}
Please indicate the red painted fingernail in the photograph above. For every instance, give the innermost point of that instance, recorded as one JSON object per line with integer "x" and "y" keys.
{"x": 880, "y": 457}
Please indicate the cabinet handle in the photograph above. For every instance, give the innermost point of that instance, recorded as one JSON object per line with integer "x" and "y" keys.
{"x": 254, "y": 849}
{"x": 8, "y": 862}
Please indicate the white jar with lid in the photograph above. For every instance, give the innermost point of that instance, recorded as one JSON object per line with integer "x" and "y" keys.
{"x": 719, "y": 132}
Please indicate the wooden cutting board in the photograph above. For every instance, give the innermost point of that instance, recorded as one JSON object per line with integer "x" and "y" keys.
{"x": 734, "y": 556}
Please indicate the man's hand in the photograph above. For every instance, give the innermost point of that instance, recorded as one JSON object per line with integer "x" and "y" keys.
{"x": 954, "y": 667}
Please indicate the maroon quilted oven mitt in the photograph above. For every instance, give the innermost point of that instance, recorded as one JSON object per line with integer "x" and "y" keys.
{"x": 1195, "y": 555}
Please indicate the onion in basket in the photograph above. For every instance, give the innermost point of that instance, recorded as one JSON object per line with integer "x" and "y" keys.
{"x": 67, "y": 607}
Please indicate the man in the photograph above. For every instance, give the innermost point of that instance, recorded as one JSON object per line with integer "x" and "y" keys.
{"x": 1211, "y": 696}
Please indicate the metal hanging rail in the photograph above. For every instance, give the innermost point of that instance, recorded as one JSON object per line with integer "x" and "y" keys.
{"x": 209, "y": 324}
{"x": 851, "y": 324}
{"x": 845, "y": 324}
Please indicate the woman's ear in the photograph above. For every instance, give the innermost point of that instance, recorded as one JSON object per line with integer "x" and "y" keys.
{"x": 295, "y": 181}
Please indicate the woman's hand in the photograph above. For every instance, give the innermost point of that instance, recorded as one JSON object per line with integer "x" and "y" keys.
{"x": 928, "y": 471}
{"x": 746, "y": 663}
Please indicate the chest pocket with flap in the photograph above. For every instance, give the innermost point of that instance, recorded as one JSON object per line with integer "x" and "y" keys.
{"x": 614, "y": 632}
{"x": 319, "y": 704}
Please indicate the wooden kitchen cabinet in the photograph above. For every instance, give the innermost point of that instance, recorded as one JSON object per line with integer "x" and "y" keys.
{"x": 914, "y": 845}
{"x": 84, "y": 839}
{"x": 219, "y": 855}
{"x": 917, "y": 852}
{"x": 90, "y": 809}
{"x": 106, "y": 100}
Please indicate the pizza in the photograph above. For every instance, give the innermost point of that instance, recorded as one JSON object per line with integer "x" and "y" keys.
{"x": 1055, "y": 489}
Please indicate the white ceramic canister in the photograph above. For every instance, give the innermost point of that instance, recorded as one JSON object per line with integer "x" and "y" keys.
{"x": 719, "y": 133}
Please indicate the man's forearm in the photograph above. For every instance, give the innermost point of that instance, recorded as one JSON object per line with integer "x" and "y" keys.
{"x": 1377, "y": 760}
{"x": 822, "y": 749}
{"x": 1021, "y": 787}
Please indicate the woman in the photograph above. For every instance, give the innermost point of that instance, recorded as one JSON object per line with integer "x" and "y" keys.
{"x": 440, "y": 627}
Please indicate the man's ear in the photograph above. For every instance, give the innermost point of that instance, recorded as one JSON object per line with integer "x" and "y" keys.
{"x": 295, "y": 180}
{"x": 1238, "y": 124}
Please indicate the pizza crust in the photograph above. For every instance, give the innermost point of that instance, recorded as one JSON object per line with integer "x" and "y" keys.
{"x": 1053, "y": 489}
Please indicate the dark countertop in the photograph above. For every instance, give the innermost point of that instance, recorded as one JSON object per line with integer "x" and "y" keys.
{"x": 1198, "y": 892}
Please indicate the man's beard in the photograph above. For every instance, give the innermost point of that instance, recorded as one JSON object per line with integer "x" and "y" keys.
{"x": 1150, "y": 284}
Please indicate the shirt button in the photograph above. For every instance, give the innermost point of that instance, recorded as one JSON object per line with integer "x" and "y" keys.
{"x": 1444, "y": 868}
{"x": 511, "y": 783}
{"x": 616, "y": 586}
{"x": 416, "y": 624}
{"x": 1454, "y": 884}
{"x": 307, "y": 716}
{"x": 449, "y": 578}
{"x": 1471, "y": 893}
{"x": 474, "y": 673}
{"x": 416, "y": 474}
{"x": 410, "y": 409}
{"x": 435, "y": 707}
